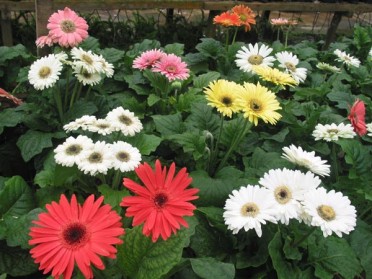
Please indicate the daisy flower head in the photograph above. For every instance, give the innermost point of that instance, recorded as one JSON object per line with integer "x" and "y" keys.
{"x": 357, "y": 117}
{"x": 259, "y": 102}
{"x": 70, "y": 233}
{"x": 369, "y": 129}
{"x": 332, "y": 132}
{"x": 254, "y": 55}
{"x": 80, "y": 123}
{"x": 223, "y": 95}
{"x": 126, "y": 157}
{"x": 227, "y": 19}
{"x": 125, "y": 121}
{"x": 44, "y": 41}
{"x": 246, "y": 16}
{"x": 86, "y": 78}
{"x": 331, "y": 211}
{"x": 107, "y": 68}
{"x": 161, "y": 202}
{"x": 172, "y": 67}
{"x": 248, "y": 208}
{"x": 70, "y": 152}
{"x": 275, "y": 76}
{"x": 147, "y": 59}
{"x": 281, "y": 22}
{"x": 346, "y": 58}
{"x": 97, "y": 159}
{"x": 306, "y": 159}
{"x": 327, "y": 67}
{"x": 44, "y": 72}
{"x": 289, "y": 62}
{"x": 86, "y": 60}
{"x": 370, "y": 52}
{"x": 67, "y": 28}
{"x": 100, "y": 126}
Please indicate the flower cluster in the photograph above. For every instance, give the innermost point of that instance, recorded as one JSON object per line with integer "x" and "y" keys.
{"x": 169, "y": 65}
{"x": 98, "y": 157}
{"x": 239, "y": 15}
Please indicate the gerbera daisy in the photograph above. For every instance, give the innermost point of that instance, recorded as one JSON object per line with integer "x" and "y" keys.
{"x": 171, "y": 66}
{"x": 223, "y": 95}
{"x": 44, "y": 72}
{"x": 357, "y": 117}
{"x": 125, "y": 121}
{"x": 346, "y": 58}
{"x": 101, "y": 126}
{"x": 82, "y": 122}
{"x": 162, "y": 202}
{"x": 258, "y": 102}
{"x": 96, "y": 159}
{"x": 125, "y": 156}
{"x": 147, "y": 59}
{"x": 67, "y": 28}
{"x": 331, "y": 211}
{"x": 43, "y": 41}
{"x": 281, "y": 21}
{"x": 246, "y": 16}
{"x": 306, "y": 159}
{"x": 227, "y": 19}
{"x": 70, "y": 152}
{"x": 328, "y": 67}
{"x": 248, "y": 208}
{"x": 86, "y": 60}
{"x": 289, "y": 62}
{"x": 287, "y": 188}
{"x": 275, "y": 76}
{"x": 332, "y": 132}
{"x": 87, "y": 78}
{"x": 369, "y": 129}
{"x": 254, "y": 55}
{"x": 107, "y": 68}
{"x": 70, "y": 233}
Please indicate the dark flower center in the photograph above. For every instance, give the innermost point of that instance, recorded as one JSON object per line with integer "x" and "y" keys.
{"x": 282, "y": 194}
{"x": 87, "y": 59}
{"x": 123, "y": 156}
{"x": 160, "y": 200}
{"x": 125, "y": 120}
{"x": 326, "y": 212}
{"x": 75, "y": 234}
{"x": 44, "y": 72}
{"x": 250, "y": 209}
{"x": 255, "y": 105}
{"x": 68, "y": 26}
{"x": 87, "y": 75}
{"x": 227, "y": 101}
{"x": 73, "y": 149}
{"x": 95, "y": 157}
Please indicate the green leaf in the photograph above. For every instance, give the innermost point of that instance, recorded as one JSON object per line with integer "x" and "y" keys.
{"x": 203, "y": 118}
{"x": 15, "y": 197}
{"x": 204, "y": 79}
{"x": 112, "y": 197}
{"x": 112, "y": 55}
{"x": 145, "y": 143}
{"x": 191, "y": 142}
{"x": 343, "y": 100}
{"x": 210, "y": 48}
{"x": 140, "y": 258}
{"x": 211, "y": 268}
{"x": 157, "y": 80}
{"x": 15, "y": 261}
{"x": 10, "y": 118}
{"x": 90, "y": 43}
{"x": 153, "y": 99}
{"x": 214, "y": 216}
{"x": 9, "y": 53}
{"x": 32, "y": 143}
{"x": 169, "y": 124}
{"x": 80, "y": 108}
{"x": 175, "y": 48}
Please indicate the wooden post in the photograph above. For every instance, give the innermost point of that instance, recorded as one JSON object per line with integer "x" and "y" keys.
{"x": 332, "y": 29}
{"x": 43, "y": 10}
{"x": 6, "y": 28}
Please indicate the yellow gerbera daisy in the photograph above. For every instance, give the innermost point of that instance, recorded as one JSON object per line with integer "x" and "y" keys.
{"x": 259, "y": 102}
{"x": 275, "y": 76}
{"x": 223, "y": 95}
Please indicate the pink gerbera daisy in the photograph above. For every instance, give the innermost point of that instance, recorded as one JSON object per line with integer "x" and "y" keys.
{"x": 67, "y": 28}
{"x": 43, "y": 41}
{"x": 147, "y": 59}
{"x": 70, "y": 233}
{"x": 172, "y": 67}
{"x": 162, "y": 202}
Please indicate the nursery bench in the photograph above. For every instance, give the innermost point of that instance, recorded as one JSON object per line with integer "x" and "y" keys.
{"x": 44, "y": 8}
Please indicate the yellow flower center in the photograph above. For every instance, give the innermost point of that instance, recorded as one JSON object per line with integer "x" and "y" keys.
{"x": 332, "y": 131}
{"x": 250, "y": 209}
{"x": 87, "y": 59}
{"x": 255, "y": 59}
{"x": 44, "y": 72}
{"x": 290, "y": 66}
{"x": 68, "y": 26}
{"x": 326, "y": 212}
{"x": 171, "y": 68}
{"x": 282, "y": 194}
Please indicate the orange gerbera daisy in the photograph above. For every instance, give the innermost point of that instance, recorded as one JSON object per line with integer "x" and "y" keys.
{"x": 227, "y": 19}
{"x": 246, "y": 16}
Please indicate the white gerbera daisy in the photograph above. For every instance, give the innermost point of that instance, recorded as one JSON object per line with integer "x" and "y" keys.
{"x": 331, "y": 211}
{"x": 80, "y": 123}
{"x": 44, "y": 72}
{"x": 97, "y": 159}
{"x": 70, "y": 152}
{"x": 100, "y": 126}
{"x": 289, "y": 62}
{"x": 253, "y": 56}
{"x": 125, "y": 156}
{"x": 370, "y": 52}
{"x": 328, "y": 67}
{"x": 62, "y": 56}
{"x": 107, "y": 68}
{"x": 306, "y": 159}
{"x": 86, "y": 60}
{"x": 369, "y": 129}
{"x": 286, "y": 186}
{"x": 332, "y": 132}
{"x": 85, "y": 77}
{"x": 125, "y": 121}
{"x": 346, "y": 58}
{"x": 248, "y": 208}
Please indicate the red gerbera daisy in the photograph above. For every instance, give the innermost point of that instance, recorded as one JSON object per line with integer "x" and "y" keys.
{"x": 227, "y": 19}
{"x": 357, "y": 117}
{"x": 246, "y": 15}
{"x": 70, "y": 233}
{"x": 162, "y": 202}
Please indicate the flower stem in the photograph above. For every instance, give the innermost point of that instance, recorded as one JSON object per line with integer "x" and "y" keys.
{"x": 335, "y": 161}
{"x": 116, "y": 180}
{"x": 214, "y": 150}
{"x": 234, "y": 37}
{"x": 303, "y": 238}
{"x": 58, "y": 100}
{"x": 74, "y": 93}
{"x": 227, "y": 39}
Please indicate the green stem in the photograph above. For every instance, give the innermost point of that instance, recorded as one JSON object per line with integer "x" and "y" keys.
{"x": 286, "y": 38}
{"x": 77, "y": 83}
{"x": 303, "y": 238}
{"x": 116, "y": 180}
{"x": 227, "y": 39}
{"x": 58, "y": 100}
{"x": 67, "y": 87}
{"x": 234, "y": 37}
{"x": 278, "y": 35}
{"x": 79, "y": 91}
{"x": 214, "y": 150}
{"x": 88, "y": 93}
{"x": 335, "y": 161}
